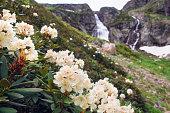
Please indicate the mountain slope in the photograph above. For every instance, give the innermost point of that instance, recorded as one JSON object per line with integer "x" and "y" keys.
{"x": 96, "y": 65}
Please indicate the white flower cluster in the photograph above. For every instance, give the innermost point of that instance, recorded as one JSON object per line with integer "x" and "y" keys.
{"x": 72, "y": 79}
{"x": 35, "y": 14}
{"x": 24, "y": 29}
{"x": 8, "y": 36}
{"x": 103, "y": 96}
{"x": 26, "y": 6}
{"x": 63, "y": 58}
{"x": 50, "y": 31}
{"x": 128, "y": 81}
{"x": 31, "y": 53}
{"x": 7, "y": 16}
{"x": 52, "y": 24}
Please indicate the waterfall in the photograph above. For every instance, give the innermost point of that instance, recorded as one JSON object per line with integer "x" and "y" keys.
{"x": 100, "y": 31}
{"x": 136, "y": 33}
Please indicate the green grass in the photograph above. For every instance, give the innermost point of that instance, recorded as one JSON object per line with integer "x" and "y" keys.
{"x": 152, "y": 109}
{"x": 160, "y": 67}
{"x": 126, "y": 52}
{"x": 50, "y": 8}
{"x": 26, "y": 2}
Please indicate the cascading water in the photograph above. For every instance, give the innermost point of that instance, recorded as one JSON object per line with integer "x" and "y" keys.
{"x": 135, "y": 33}
{"x": 100, "y": 31}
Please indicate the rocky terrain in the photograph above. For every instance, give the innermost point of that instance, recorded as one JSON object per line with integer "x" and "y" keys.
{"x": 79, "y": 16}
{"x": 154, "y": 19}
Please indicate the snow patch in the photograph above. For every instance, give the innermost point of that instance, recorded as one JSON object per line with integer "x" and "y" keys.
{"x": 161, "y": 52}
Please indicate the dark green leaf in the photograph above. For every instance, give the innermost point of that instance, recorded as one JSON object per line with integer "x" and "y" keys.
{"x": 27, "y": 91}
{"x": 15, "y": 95}
{"x": 3, "y": 97}
{"x": 43, "y": 83}
{"x": 44, "y": 72}
{"x": 52, "y": 107}
{"x": 16, "y": 104}
{"x": 36, "y": 82}
{"x": 35, "y": 98}
{"x": 24, "y": 83}
{"x": 49, "y": 75}
{"x": 19, "y": 80}
{"x": 3, "y": 67}
{"x": 47, "y": 96}
{"x": 67, "y": 100}
{"x": 4, "y": 83}
{"x": 64, "y": 111}
{"x": 57, "y": 110}
{"x": 7, "y": 110}
{"x": 56, "y": 91}
{"x": 50, "y": 83}
{"x": 47, "y": 100}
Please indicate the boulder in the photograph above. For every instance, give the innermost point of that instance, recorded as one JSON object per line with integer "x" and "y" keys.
{"x": 96, "y": 42}
{"x": 168, "y": 56}
{"x": 109, "y": 48}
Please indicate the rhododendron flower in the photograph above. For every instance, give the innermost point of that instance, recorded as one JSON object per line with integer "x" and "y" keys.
{"x": 71, "y": 79}
{"x": 7, "y": 16}
{"x": 129, "y": 81}
{"x": 35, "y": 14}
{"x": 122, "y": 96}
{"x": 24, "y": 29}
{"x": 50, "y": 31}
{"x": 129, "y": 91}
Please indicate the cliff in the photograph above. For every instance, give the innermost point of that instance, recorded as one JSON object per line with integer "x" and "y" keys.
{"x": 79, "y": 16}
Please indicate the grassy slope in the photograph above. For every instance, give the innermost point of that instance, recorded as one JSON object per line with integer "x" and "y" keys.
{"x": 141, "y": 63}
{"x": 97, "y": 66}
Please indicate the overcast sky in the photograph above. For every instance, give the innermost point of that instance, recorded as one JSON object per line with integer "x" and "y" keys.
{"x": 94, "y": 4}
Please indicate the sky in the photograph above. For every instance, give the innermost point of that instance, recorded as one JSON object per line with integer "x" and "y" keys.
{"x": 94, "y": 4}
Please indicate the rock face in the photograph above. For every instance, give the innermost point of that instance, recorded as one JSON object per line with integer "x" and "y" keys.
{"x": 134, "y": 4}
{"x": 79, "y": 16}
{"x": 154, "y": 19}
{"x": 118, "y": 23}
{"x": 155, "y": 24}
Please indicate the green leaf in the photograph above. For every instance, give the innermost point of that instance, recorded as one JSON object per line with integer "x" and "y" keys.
{"x": 43, "y": 83}
{"x": 47, "y": 100}
{"x": 36, "y": 82}
{"x": 4, "y": 83}
{"x": 56, "y": 91}
{"x": 19, "y": 81}
{"x": 52, "y": 107}
{"x": 3, "y": 99}
{"x": 44, "y": 72}
{"x": 49, "y": 75}
{"x": 24, "y": 83}
{"x": 64, "y": 111}
{"x": 3, "y": 67}
{"x": 35, "y": 98}
{"x": 27, "y": 91}
{"x": 50, "y": 83}
{"x": 57, "y": 110}
{"x": 67, "y": 100}
{"x": 7, "y": 110}
{"x": 15, "y": 95}
{"x": 16, "y": 104}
